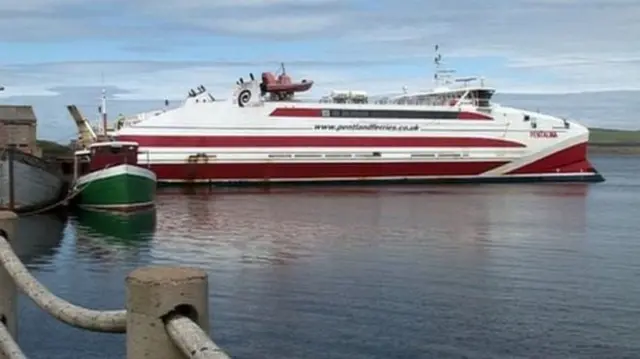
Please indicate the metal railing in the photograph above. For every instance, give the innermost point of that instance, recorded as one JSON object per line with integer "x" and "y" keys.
{"x": 166, "y": 315}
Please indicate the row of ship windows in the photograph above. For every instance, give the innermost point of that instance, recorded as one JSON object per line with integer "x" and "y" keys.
{"x": 390, "y": 114}
{"x": 346, "y": 155}
{"x": 364, "y": 155}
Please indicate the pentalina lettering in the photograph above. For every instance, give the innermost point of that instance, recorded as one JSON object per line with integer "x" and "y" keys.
{"x": 367, "y": 127}
{"x": 543, "y": 134}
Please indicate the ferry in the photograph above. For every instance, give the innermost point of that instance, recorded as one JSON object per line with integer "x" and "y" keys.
{"x": 453, "y": 132}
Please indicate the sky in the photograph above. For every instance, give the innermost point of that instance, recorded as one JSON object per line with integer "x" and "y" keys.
{"x": 576, "y": 58}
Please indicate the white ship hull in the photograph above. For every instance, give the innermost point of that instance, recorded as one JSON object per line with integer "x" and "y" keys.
{"x": 304, "y": 149}
{"x": 35, "y": 186}
{"x": 262, "y": 135}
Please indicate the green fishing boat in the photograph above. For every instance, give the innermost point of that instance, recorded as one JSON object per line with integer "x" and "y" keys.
{"x": 114, "y": 180}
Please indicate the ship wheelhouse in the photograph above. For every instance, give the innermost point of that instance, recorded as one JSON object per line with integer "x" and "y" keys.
{"x": 479, "y": 97}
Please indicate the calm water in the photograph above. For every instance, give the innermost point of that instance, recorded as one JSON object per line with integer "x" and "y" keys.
{"x": 482, "y": 271}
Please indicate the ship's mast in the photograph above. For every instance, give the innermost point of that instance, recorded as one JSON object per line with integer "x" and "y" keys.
{"x": 103, "y": 110}
{"x": 441, "y": 76}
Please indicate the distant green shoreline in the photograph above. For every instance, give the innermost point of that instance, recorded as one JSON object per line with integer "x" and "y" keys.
{"x": 608, "y": 141}
{"x": 601, "y": 140}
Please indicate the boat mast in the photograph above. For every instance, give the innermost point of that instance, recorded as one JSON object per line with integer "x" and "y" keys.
{"x": 436, "y": 60}
{"x": 103, "y": 110}
{"x": 441, "y": 76}
{"x": 103, "y": 106}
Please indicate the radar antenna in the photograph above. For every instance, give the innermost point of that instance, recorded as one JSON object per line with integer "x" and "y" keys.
{"x": 441, "y": 76}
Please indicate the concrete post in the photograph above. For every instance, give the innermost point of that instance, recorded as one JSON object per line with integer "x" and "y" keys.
{"x": 8, "y": 291}
{"x": 154, "y": 292}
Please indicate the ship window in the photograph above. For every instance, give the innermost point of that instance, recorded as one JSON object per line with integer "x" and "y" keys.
{"x": 394, "y": 114}
{"x": 483, "y": 97}
{"x": 355, "y": 113}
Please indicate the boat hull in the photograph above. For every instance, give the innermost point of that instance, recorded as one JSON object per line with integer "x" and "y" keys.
{"x": 311, "y": 144}
{"x": 37, "y": 184}
{"x": 567, "y": 165}
{"x": 359, "y": 173}
{"x": 120, "y": 188}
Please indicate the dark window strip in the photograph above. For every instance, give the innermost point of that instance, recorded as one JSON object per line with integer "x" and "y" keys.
{"x": 393, "y": 114}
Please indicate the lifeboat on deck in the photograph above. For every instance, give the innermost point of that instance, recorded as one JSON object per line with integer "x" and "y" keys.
{"x": 281, "y": 87}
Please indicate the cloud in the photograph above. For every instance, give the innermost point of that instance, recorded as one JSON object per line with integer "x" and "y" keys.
{"x": 200, "y": 5}
{"x": 147, "y": 49}
{"x": 36, "y": 6}
{"x": 602, "y": 109}
{"x": 153, "y": 80}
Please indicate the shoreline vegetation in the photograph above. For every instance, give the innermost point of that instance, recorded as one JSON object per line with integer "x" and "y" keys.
{"x": 619, "y": 142}
{"x": 601, "y": 141}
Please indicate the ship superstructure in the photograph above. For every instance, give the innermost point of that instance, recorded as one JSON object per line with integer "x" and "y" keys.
{"x": 453, "y": 132}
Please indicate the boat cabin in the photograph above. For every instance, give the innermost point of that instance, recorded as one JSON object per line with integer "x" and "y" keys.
{"x": 340, "y": 96}
{"x": 102, "y": 155}
{"x": 477, "y": 97}
{"x": 448, "y": 91}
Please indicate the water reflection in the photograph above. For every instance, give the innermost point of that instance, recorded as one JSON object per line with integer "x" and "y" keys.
{"x": 282, "y": 225}
{"x": 38, "y": 237}
{"x": 117, "y": 228}
{"x": 108, "y": 236}
{"x": 452, "y": 271}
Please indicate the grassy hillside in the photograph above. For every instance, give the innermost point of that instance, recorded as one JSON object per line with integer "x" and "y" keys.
{"x": 602, "y": 136}
{"x": 50, "y": 148}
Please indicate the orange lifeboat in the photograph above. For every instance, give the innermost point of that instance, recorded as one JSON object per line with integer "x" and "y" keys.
{"x": 282, "y": 86}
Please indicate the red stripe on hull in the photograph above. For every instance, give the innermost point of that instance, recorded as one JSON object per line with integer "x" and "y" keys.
{"x": 569, "y": 160}
{"x": 316, "y": 171}
{"x": 463, "y": 115}
{"x": 315, "y": 141}
{"x": 297, "y": 112}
